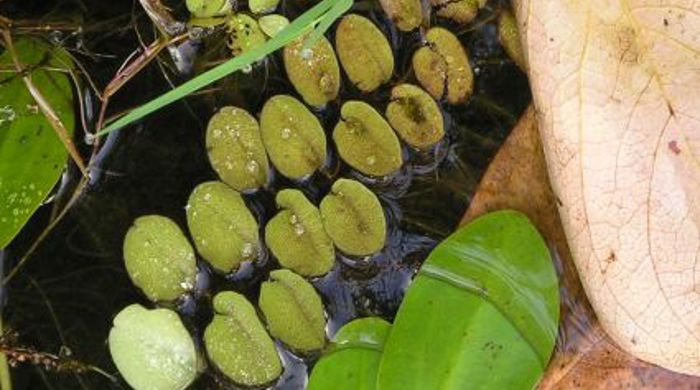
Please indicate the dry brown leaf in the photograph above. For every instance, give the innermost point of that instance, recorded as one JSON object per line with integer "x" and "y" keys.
{"x": 616, "y": 86}
{"x": 585, "y": 356}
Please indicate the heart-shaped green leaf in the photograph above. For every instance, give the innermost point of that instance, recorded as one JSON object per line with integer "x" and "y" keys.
{"x": 159, "y": 259}
{"x": 354, "y": 218}
{"x": 313, "y": 71}
{"x": 237, "y": 343}
{"x": 32, "y": 156}
{"x": 293, "y": 311}
{"x": 415, "y": 116}
{"x": 296, "y": 236}
{"x": 366, "y": 141}
{"x": 293, "y": 137}
{"x": 352, "y": 361}
{"x": 223, "y": 228}
{"x": 364, "y": 52}
{"x": 482, "y": 312}
{"x": 152, "y": 349}
{"x": 236, "y": 150}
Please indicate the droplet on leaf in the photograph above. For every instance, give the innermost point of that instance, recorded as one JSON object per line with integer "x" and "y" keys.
{"x": 262, "y": 6}
{"x": 353, "y": 218}
{"x": 272, "y": 24}
{"x": 296, "y": 236}
{"x": 152, "y": 349}
{"x": 234, "y": 145}
{"x": 442, "y": 67}
{"x": 208, "y": 8}
{"x": 460, "y": 11}
{"x": 158, "y": 258}
{"x": 223, "y": 228}
{"x": 293, "y": 137}
{"x": 313, "y": 71}
{"x": 510, "y": 39}
{"x": 366, "y": 141}
{"x": 364, "y": 52}
{"x": 406, "y": 14}
{"x": 245, "y": 34}
{"x": 237, "y": 343}
{"x": 415, "y": 116}
{"x": 293, "y": 311}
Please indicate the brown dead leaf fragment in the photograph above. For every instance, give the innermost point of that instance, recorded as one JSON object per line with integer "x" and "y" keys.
{"x": 585, "y": 356}
{"x": 615, "y": 83}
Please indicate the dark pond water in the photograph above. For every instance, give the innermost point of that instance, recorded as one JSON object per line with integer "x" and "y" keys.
{"x": 69, "y": 289}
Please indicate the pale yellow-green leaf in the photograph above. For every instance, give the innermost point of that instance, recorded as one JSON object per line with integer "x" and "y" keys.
{"x": 208, "y": 8}
{"x": 313, "y": 71}
{"x": 406, "y": 14}
{"x": 415, "y": 116}
{"x": 262, "y": 6}
{"x": 272, "y": 24}
{"x": 245, "y": 34}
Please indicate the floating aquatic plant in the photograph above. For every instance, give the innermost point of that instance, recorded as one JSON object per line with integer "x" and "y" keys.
{"x": 245, "y": 34}
{"x": 364, "y": 52}
{"x": 152, "y": 349}
{"x": 442, "y": 67}
{"x": 415, "y": 116}
{"x": 354, "y": 218}
{"x": 460, "y": 11}
{"x": 366, "y": 141}
{"x": 293, "y": 311}
{"x": 224, "y": 230}
{"x": 235, "y": 149}
{"x": 296, "y": 236}
{"x": 237, "y": 343}
{"x": 406, "y": 14}
{"x": 313, "y": 70}
{"x": 159, "y": 259}
{"x": 272, "y": 24}
{"x": 262, "y": 6}
{"x": 208, "y": 8}
{"x": 293, "y": 137}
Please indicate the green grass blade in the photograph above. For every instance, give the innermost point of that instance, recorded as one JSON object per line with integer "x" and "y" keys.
{"x": 323, "y": 14}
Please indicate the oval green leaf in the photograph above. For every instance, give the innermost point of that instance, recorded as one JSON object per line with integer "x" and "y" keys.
{"x": 32, "y": 157}
{"x": 159, "y": 259}
{"x": 406, "y": 14}
{"x": 442, "y": 67}
{"x": 482, "y": 312}
{"x": 460, "y": 11}
{"x": 296, "y": 236}
{"x": 244, "y": 34}
{"x": 272, "y": 24}
{"x": 364, "y": 52}
{"x": 366, "y": 141}
{"x": 354, "y": 218}
{"x": 293, "y": 311}
{"x": 237, "y": 343}
{"x": 352, "y": 361}
{"x": 293, "y": 137}
{"x": 415, "y": 116}
{"x": 509, "y": 38}
{"x": 208, "y": 8}
{"x": 313, "y": 71}
{"x": 236, "y": 150}
{"x": 152, "y": 349}
{"x": 224, "y": 230}
{"x": 262, "y": 6}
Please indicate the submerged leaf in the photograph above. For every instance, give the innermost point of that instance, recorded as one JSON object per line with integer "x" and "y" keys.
{"x": 271, "y": 25}
{"x": 159, "y": 259}
{"x": 223, "y": 228}
{"x": 354, "y": 218}
{"x": 364, "y": 52}
{"x": 236, "y": 150}
{"x": 237, "y": 343}
{"x": 415, "y": 116}
{"x": 460, "y": 11}
{"x": 366, "y": 141}
{"x": 296, "y": 236}
{"x": 442, "y": 67}
{"x": 208, "y": 8}
{"x": 313, "y": 71}
{"x": 406, "y": 14}
{"x": 353, "y": 356}
{"x": 293, "y": 137}
{"x": 32, "y": 156}
{"x": 293, "y": 311}
{"x": 482, "y": 312}
{"x": 152, "y": 349}
{"x": 245, "y": 34}
{"x": 262, "y": 6}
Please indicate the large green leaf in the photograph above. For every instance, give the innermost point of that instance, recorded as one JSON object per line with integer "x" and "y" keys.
{"x": 352, "y": 360}
{"x": 32, "y": 156}
{"x": 481, "y": 314}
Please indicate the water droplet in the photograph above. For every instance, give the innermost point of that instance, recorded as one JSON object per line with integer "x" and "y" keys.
{"x": 306, "y": 53}
{"x": 286, "y": 133}
{"x": 207, "y": 197}
{"x": 7, "y": 114}
{"x": 371, "y": 160}
{"x": 298, "y": 229}
{"x": 247, "y": 250}
{"x": 293, "y": 219}
{"x": 252, "y": 166}
{"x": 217, "y": 133}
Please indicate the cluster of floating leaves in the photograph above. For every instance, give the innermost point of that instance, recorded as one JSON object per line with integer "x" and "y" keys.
{"x": 152, "y": 348}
